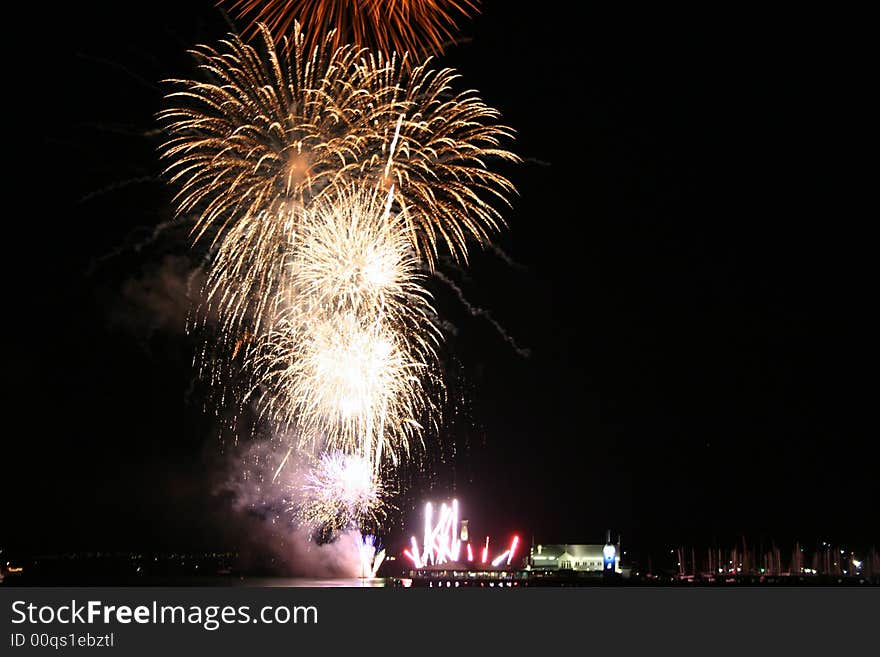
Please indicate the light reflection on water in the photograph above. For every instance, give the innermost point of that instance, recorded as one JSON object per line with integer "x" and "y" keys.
{"x": 79, "y": 578}
{"x": 353, "y": 582}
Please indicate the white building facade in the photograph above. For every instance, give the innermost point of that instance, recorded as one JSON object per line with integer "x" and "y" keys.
{"x": 577, "y": 557}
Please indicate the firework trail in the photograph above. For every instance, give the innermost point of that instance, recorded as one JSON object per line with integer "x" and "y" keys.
{"x": 372, "y": 554}
{"x": 121, "y": 67}
{"x": 421, "y": 27}
{"x": 485, "y": 314}
{"x": 282, "y": 464}
{"x": 115, "y": 186}
{"x": 129, "y": 244}
{"x": 510, "y": 262}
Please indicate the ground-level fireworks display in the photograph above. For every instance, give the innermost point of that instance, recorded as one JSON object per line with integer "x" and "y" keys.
{"x": 446, "y": 541}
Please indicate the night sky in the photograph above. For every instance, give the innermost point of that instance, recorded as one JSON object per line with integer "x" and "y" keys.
{"x": 689, "y": 270}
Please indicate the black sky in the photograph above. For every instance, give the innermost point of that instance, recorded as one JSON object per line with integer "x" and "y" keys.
{"x": 692, "y": 279}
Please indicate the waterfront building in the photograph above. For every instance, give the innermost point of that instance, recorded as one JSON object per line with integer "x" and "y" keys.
{"x": 576, "y": 557}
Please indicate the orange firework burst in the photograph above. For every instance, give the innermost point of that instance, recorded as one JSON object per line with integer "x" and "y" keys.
{"x": 419, "y": 27}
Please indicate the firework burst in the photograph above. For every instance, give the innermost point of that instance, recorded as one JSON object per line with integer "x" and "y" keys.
{"x": 264, "y": 135}
{"x": 420, "y": 27}
{"x": 341, "y": 491}
{"x": 349, "y": 357}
